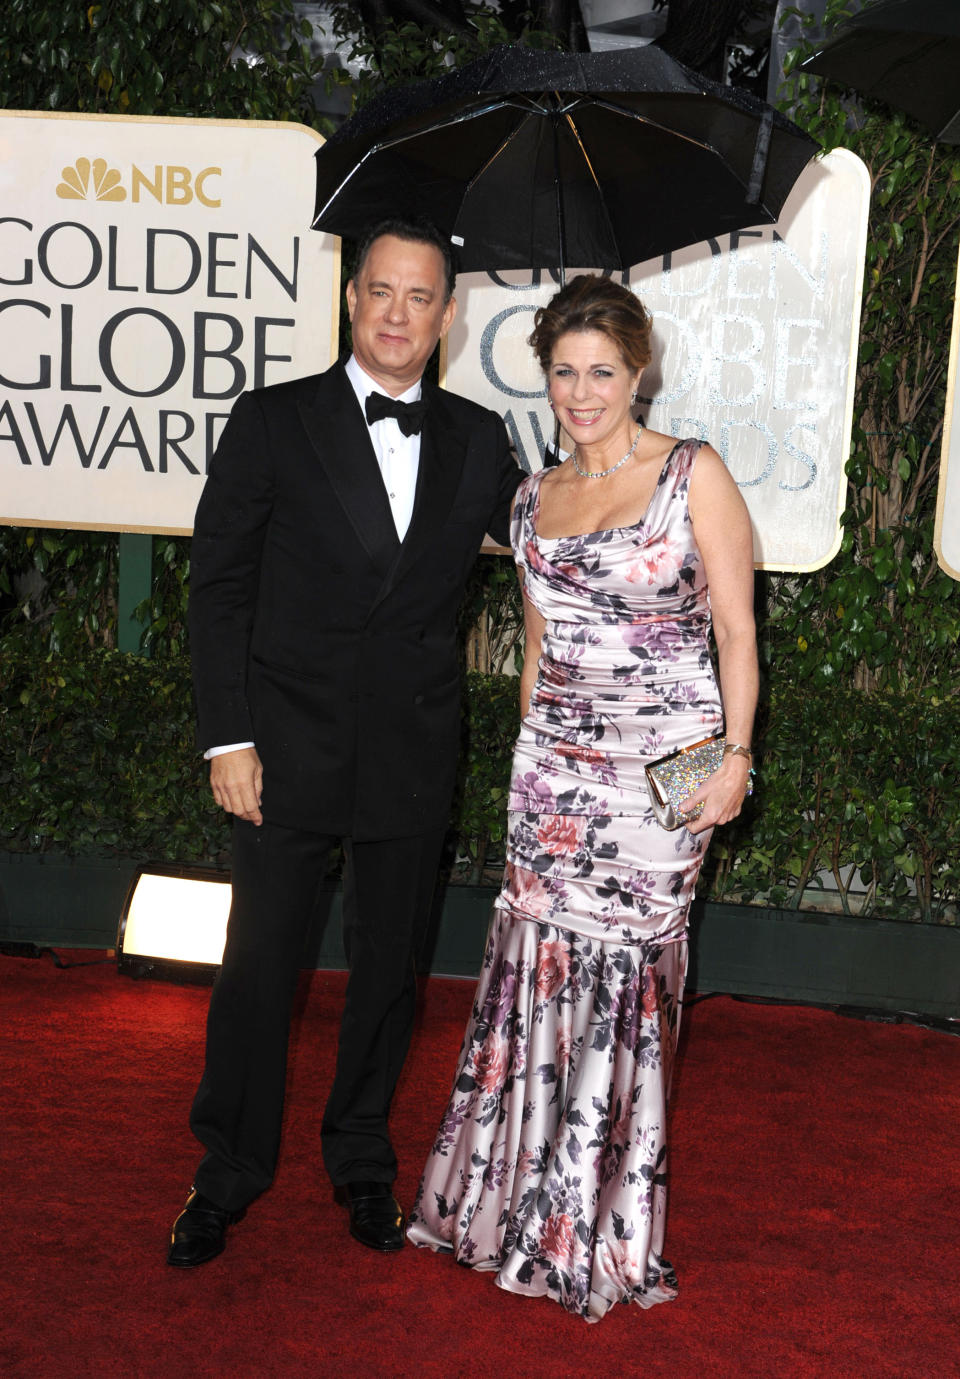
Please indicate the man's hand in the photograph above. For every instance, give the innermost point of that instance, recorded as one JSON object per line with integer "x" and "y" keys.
{"x": 236, "y": 779}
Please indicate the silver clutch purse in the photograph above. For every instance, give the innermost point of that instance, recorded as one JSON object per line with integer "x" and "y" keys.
{"x": 672, "y": 778}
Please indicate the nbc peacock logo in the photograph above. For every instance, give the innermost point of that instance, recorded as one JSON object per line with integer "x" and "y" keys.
{"x": 88, "y": 179}
{"x": 170, "y": 184}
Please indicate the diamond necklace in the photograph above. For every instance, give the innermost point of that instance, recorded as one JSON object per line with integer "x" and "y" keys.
{"x": 602, "y": 473}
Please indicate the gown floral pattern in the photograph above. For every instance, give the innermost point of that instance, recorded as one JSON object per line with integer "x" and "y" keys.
{"x": 549, "y": 1167}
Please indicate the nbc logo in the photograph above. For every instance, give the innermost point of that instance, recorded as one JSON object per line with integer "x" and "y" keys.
{"x": 169, "y": 184}
{"x": 76, "y": 184}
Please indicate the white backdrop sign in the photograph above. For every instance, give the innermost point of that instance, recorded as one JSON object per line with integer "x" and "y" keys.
{"x": 946, "y": 537}
{"x": 150, "y": 270}
{"x": 755, "y": 340}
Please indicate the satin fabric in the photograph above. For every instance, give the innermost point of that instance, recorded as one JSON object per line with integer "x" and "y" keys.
{"x": 625, "y": 676}
{"x": 550, "y": 1165}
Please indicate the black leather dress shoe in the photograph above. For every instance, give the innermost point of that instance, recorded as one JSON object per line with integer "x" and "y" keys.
{"x": 199, "y": 1232}
{"x": 375, "y": 1216}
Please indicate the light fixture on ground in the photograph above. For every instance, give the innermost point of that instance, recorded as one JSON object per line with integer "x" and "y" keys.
{"x": 174, "y": 922}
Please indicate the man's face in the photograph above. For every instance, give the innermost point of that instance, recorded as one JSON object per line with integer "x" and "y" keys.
{"x": 397, "y": 311}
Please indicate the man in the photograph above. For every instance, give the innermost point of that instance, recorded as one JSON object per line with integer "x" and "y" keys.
{"x": 330, "y": 549}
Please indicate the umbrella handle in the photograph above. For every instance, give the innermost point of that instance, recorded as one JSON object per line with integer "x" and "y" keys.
{"x": 760, "y": 150}
{"x": 558, "y": 188}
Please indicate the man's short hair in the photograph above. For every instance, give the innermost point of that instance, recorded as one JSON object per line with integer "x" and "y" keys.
{"x": 415, "y": 231}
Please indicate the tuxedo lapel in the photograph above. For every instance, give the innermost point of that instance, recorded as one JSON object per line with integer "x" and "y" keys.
{"x": 338, "y": 434}
{"x": 442, "y": 450}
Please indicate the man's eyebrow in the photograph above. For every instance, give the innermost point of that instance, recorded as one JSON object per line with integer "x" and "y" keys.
{"x": 420, "y": 291}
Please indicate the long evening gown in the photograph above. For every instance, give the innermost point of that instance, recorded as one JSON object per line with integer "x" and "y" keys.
{"x": 549, "y": 1166}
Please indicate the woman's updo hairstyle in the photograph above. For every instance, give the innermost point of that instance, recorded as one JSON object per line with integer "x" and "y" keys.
{"x": 594, "y": 303}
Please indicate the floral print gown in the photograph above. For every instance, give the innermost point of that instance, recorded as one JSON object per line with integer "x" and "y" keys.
{"x": 549, "y": 1167}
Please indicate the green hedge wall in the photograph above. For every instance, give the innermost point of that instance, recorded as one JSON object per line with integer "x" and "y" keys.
{"x": 854, "y": 792}
{"x": 98, "y": 758}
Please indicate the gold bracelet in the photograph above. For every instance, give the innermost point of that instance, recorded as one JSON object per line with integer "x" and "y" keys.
{"x": 737, "y": 749}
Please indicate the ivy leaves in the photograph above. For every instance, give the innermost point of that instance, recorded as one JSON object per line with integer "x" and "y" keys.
{"x": 856, "y": 799}
{"x": 166, "y": 57}
{"x": 98, "y": 757}
{"x": 883, "y": 615}
{"x": 400, "y": 54}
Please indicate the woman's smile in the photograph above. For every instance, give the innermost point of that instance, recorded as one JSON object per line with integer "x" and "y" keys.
{"x": 591, "y": 388}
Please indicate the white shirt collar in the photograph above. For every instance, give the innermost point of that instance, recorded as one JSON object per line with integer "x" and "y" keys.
{"x": 364, "y": 385}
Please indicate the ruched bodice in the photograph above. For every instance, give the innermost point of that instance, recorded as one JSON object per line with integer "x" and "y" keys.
{"x": 625, "y": 672}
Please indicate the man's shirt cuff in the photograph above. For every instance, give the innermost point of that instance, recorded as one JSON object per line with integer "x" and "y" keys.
{"x": 219, "y": 751}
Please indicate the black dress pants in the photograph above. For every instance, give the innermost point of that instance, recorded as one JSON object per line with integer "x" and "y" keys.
{"x": 238, "y": 1108}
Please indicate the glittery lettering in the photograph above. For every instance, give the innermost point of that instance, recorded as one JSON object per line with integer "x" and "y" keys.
{"x": 801, "y": 455}
{"x": 748, "y": 357}
{"x": 487, "y": 342}
{"x": 785, "y": 390}
{"x": 769, "y": 461}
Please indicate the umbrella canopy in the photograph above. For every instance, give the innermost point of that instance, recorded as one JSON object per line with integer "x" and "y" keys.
{"x": 904, "y": 52}
{"x": 532, "y": 159}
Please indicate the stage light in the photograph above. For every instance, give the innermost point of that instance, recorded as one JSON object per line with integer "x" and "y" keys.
{"x": 174, "y": 922}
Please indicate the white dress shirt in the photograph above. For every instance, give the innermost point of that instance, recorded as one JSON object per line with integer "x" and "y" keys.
{"x": 399, "y": 459}
{"x": 397, "y": 455}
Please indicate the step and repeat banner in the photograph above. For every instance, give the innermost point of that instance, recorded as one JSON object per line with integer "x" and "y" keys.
{"x": 754, "y": 349}
{"x": 150, "y": 271}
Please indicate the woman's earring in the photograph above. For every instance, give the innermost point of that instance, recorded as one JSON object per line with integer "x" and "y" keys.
{"x": 633, "y": 397}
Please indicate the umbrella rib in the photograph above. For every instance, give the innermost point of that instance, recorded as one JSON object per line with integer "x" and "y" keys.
{"x": 759, "y": 154}
{"x": 383, "y": 144}
{"x": 580, "y": 145}
{"x": 629, "y": 114}
{"x": 596, "y": 182}
{"x": 498, "y": 152}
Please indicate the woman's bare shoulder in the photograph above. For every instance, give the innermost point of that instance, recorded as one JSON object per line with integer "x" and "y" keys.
{"x": 713, "y": 488}
{"x": 655, "y": 445}
{"x": 711, "y": 468}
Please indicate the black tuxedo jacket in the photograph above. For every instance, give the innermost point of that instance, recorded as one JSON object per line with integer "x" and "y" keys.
{"x": 314, "y": 631}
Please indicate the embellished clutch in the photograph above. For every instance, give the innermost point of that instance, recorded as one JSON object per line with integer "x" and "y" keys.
{"x": 672, "y": 778}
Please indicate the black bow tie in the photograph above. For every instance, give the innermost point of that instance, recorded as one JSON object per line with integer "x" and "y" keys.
{"x": 409, "y": 415}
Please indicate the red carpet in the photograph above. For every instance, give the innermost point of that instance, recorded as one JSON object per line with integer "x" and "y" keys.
{"x": 814, "y": 1218}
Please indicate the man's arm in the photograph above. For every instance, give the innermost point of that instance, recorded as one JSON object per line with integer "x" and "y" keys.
{"x": 229, "y": 530}
{"x": 509, "y": 475}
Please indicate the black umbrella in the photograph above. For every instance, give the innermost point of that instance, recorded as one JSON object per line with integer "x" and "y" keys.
{"x": 532, "y": 159}
{"x": 904, "y": 52}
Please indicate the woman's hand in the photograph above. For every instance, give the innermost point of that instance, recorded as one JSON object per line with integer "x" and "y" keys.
{"x": 721, "y": 794}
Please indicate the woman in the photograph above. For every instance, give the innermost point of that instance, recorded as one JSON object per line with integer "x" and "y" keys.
{"x": 550, "y": 1163}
